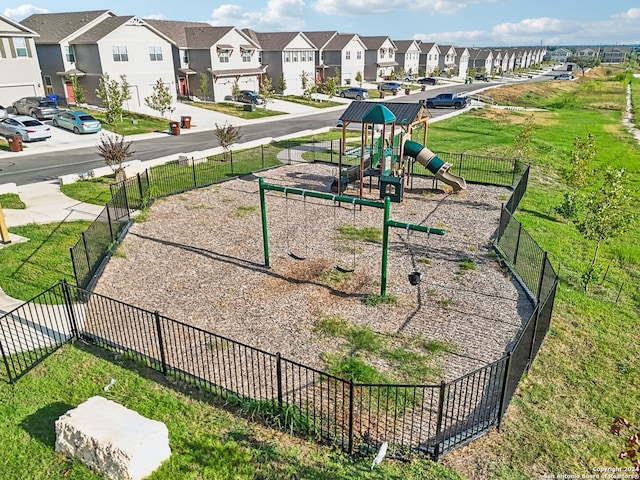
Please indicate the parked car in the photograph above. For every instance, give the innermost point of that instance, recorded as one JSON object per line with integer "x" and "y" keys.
{"x": 41, "y": 108}
{"x": 482, "y": 76}
{"x": 394, "y": 87}
{"x": 355, "y": 92}
{"x": 249, "y": 96}
{"x": 427, "y": 81}
{"x": 564, "y": 76}
{"x": 77, "y": 121}
{"x": 30, "y": 128}
{"x": 3, "y": 112}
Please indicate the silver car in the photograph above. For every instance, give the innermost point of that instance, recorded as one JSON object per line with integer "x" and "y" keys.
{"x": 31, "y": 129}
{"x": 3, "y": 112}
{"x": 42, "y": 108}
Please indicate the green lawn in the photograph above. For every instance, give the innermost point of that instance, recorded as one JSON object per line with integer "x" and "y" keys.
{"x": 210, "y": 438}
{"x": 12, "y": 200}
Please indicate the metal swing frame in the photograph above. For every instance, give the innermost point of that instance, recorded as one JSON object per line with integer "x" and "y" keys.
{"x": 353, "y": 261}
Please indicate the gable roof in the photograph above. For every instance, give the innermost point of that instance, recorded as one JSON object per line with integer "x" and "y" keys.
{"x": 320, "y": 39}
{"x": 55, "y": 27}
{"x": 175, "y": 30}
{"x": 22, "y": 30}
{"x": 404, "y": 45}
{"x": 426, "y": 46}
{"x": 405, "y": 113}
{"x": 275, "y": 41}
{"x": 374, "y": 43}
{"x": 341, "y": 40}
{"x": 200, "y": 38}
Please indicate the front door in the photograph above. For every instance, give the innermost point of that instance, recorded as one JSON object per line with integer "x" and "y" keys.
{"x": 70, "y": 97}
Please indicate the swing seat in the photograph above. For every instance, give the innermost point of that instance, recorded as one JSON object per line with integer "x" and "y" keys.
{"x": 343, "y": 270}
{"x": 296, "y": 257}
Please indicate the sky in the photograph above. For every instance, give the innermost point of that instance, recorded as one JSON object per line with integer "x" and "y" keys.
{"x": 463, "y": 23}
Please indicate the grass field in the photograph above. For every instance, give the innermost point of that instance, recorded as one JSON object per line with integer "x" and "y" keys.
{"x": 587, "y": 371}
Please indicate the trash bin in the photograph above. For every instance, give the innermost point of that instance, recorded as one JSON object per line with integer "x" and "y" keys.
{"x": 250, "y": 107}
{"x": 407, "y": 91}
{"x": 15, "y": 143}
{"x": 53, "y": 97}
{"x": 175, "y": 128}
{"x": 381, "y": 94}
{"x": 185, "y": 122}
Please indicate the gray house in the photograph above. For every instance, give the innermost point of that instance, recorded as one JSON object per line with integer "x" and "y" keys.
{"x": 338, "y": 53}
{"x": 379, "y": 58}
{"x": 408, "y": 56}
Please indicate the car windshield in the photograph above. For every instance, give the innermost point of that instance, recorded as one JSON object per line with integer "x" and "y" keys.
{"x": 47, "y": 104}
{"x": 86, "y": 118}
{"x": 31, "y": 123}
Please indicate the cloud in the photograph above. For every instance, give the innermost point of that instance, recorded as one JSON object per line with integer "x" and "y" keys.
{"x": 23, "y": 11}
{"x": 155, "y": 16}
{"x": 379, "y": 7}
{"x": 278, "y": 15}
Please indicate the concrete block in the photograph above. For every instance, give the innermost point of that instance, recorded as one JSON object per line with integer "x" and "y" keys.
{"x": 117, "y": 442}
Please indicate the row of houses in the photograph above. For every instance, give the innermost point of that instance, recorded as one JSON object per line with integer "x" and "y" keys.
{"x": 609, "y": 54}
{"x": 44, "y": 52}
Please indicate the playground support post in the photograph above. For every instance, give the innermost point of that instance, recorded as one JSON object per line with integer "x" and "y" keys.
{"x": 263, "y": 213}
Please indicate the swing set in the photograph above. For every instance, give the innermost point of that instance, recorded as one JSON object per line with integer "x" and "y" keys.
{"x": 388, "y": 223}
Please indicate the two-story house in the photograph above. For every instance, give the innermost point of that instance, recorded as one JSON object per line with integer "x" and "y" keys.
{"x": 462, "y": 57}
{"x": 408, "y": 56}
{"x": 481, "y": 60}
{"x": 614, "y": 54}
{"x": 559, "y": 55}
{"x": 339, "y": 54}
{"x": 290, "y": 57}
{"x": 429, "y": 57}
{"x": 447, "y": 61}
{"x": 379, "y": 58}
{"x": 187, "y": 79}
{"x": 588, "y": 52}
{"x": 91, "y": 44}
{"x": 19, "y": 66}
{"x": 228, "y": 56}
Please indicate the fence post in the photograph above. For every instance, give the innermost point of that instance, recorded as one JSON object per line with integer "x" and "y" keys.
{"x": 517, "y": 249}
{"x": 540, "y": 281}
{"x": 70, "y": 313}
{"x": 460, "y": 165}
{"x": 160, "y": 342}
{"x": 140, "y": 189}
{"x": 351, "y": 408}
{"x": 619, "y": 292}
{"x": 106, "y": 207}
{"x": 262, "y": 156}
{"x": 436, "y": 450}
{"x": 279, "y": 378}
{"x": 231, "y": 160}
{"x": 86, "y": 254}
{"x": 6, "y": 364}
{"x": 73, "y": 264}
{"x": 503, "y": 399}
{"x": 193, "y": 169}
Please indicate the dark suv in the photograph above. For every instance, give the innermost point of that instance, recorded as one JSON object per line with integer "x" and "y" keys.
{"x": 41, "y": 108}
{"x": 249, "y": 96}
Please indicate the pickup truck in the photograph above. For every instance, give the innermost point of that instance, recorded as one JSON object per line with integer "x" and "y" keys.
{"x": 448, "y": 100}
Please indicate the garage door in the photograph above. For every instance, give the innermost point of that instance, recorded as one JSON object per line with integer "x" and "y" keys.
{"x": 11, "y": 93}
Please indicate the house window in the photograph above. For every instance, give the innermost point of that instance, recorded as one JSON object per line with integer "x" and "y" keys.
{"x": 155, "y": 54}
{"x": 185, "y": 56}
{"x": 21, "y": 47}
{"x": 70, "y": 54}
{"x": 246, "y": 56}
{"x": 429, "y": 57}
{"x": 223, "y": 55}
{"x": 120, "y": 54}
{"x": 48, "y": 86}
{"x": 294, "y": 56}
{"x": 287, "y": 57}
{"x": 359, "y": 55}
{"x": 347, "y": 55}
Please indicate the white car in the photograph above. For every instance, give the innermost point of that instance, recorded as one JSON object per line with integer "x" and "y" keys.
{"x": 31, "y": 129}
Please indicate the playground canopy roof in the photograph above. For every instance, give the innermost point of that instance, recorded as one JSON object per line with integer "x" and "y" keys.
{"x": 405, "y": 113}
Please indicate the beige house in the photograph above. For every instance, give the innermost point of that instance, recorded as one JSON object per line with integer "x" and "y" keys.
{"x": 429, "y": 57}
{"x": 19, "y": 66}
{"x": 379, "y": 58}
{"x": 408, "y": 56}
{"x": 338, "y": 53}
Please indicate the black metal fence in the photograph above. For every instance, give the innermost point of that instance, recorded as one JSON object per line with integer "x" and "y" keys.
{"x": 433, "y": 419}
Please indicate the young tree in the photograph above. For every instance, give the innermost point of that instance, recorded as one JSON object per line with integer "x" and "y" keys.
{"x": 78, "y": 91}
{"x": 235, "y": 90}
{"x": 605, "y": 215}
{"x": 160, "y": 100}
{"x": 266, "y": 91}
{"x": 330, "y": 86}
{"x": 522, "y": 141}
{"x": 112, "y": 96}
{"x": 305, "y": 78}
{"x": 359, "y": 78}
{"x": 125, "y": 92}
{"x": 227, "y": 135}
{"x": 114, "y": 151}
{"x": 577, "y": 175}
{"x": 204, "y": 85}
{"x": 584, "y": 63}
{"x": 282, "y": 84}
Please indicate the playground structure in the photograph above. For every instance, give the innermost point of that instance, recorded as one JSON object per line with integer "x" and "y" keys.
{"x": 386, "y": 154}
{"x": 386, "y": 206}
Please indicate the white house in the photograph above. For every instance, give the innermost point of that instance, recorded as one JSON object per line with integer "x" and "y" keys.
{"x": 447, "y": 60}
{"x": 19, "y": 66}
{"x": 408, "y": 56}
{"x": 338, "y": 53}
{"x": 379, "y": 58}
{"x": 429, "y": 57}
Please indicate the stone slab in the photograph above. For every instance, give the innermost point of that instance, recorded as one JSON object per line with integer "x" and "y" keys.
{"x": 117, "y": 442}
